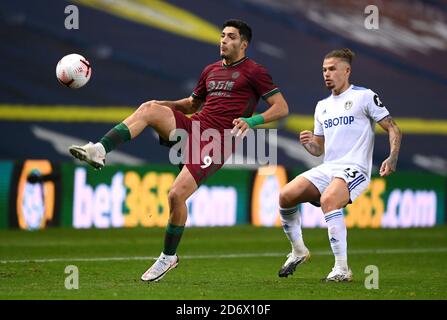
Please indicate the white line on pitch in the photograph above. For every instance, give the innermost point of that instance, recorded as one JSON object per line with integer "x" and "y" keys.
{"x": 232, "y": 256}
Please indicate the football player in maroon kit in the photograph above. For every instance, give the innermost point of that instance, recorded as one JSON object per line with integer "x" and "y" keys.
{"x": 226, "y": 94}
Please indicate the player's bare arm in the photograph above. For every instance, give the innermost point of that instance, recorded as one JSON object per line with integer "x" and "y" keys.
{"x": 278, "y": 109}
{"x": 187, "y": 105}
{"x": 312, "y": 143}
{"x": 395, "y": 136}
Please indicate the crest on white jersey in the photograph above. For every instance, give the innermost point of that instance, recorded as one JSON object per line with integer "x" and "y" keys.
{"x": 348, "y": 105}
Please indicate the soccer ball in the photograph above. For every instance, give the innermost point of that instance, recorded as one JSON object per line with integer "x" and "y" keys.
{"x": 73, "y": 71}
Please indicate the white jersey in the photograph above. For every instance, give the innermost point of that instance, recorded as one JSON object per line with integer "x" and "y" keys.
{"x": 347, "y": 123}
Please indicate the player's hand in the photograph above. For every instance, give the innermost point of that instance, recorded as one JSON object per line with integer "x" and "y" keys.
{"x": 306, "y": 137}
{"x": 240, "y": 127}
{"x": 388, "y": 167}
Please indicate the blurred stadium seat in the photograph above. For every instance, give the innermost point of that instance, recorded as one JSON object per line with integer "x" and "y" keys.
{"x": 142, "y": 52}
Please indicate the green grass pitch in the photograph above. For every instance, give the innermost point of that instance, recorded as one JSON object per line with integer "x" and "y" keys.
{"x": 219, "y": 263}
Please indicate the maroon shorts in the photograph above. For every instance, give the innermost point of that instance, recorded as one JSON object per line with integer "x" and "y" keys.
{"x": 202, "y": 158}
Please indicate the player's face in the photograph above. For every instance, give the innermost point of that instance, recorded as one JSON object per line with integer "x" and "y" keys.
{"x": 231, "y": 44}
{"x": 335, "y": 73}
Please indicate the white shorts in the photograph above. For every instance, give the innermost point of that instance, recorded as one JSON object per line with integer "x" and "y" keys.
{"x": 323, "y": 175}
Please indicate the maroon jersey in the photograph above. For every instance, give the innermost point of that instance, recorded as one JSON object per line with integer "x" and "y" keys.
{"x": 230, "y": 92}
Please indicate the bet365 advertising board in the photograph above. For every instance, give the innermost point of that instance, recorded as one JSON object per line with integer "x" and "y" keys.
{"x": 401, "y": 200}
{"x": 35, "y": 194}
{"x": 122, "y": 196}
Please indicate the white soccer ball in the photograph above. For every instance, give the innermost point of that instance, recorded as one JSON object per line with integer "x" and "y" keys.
{"x": 73, "y": 71}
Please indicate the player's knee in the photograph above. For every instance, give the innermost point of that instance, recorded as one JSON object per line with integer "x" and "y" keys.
{"x": 175, "y": 196}
{"x": 328, "y": 202}
{"x": 285, "y": 199}
{"x": 147, "y": 110}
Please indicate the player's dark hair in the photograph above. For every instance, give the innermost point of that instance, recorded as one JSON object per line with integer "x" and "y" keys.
{"x": 344, "y": 54}
{"x": 243, "y": 27}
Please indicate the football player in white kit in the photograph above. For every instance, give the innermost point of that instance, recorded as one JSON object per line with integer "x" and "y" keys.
{"x": 344, "y": 132}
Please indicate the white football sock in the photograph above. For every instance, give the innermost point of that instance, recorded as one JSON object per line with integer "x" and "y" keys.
{"x": 337, "y": 236}
{"x": 291, "y": 224}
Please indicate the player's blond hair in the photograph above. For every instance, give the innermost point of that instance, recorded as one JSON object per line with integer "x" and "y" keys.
{"x": 344, "y": 54}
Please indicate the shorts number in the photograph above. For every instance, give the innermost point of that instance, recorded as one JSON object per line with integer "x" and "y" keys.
{"x": 351, "y": 173}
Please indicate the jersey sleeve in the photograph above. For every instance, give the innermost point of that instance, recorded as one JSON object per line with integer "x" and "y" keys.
{"x": 200, "y": 89}
{"x": 318, "y": 126}
{"x": 263, "y": 83}
{"x": 375, "y": 108}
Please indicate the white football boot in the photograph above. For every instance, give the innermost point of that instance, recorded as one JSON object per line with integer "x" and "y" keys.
{"x": 339, "y": 274}
{"x": 158, "y": 270}
{"x": 292, "y": 262}
{"x": 93, "y": 154}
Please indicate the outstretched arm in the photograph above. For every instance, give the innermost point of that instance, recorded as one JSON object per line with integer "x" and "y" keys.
{"x": 389, "y": 164}
{"x": 312, "y": 143}
{"x": 278, "y": 109}
{"x": 187, "y": 105}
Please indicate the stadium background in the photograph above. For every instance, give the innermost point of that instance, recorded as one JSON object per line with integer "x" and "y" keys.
{"x": 141, "y": 50}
